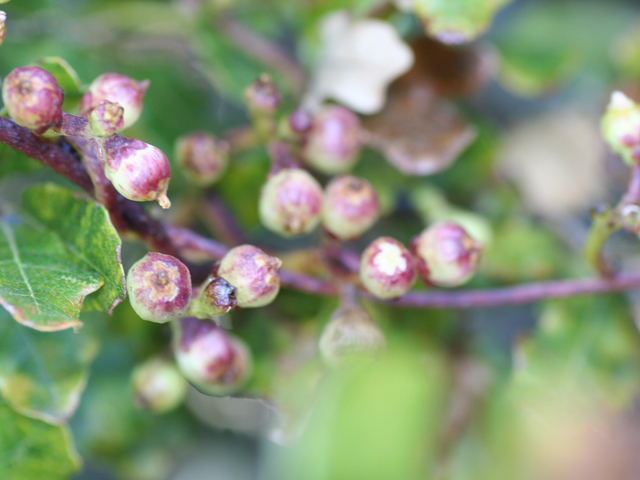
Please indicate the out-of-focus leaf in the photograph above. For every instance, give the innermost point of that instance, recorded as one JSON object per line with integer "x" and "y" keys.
{"x": 67, "y": 79}
{"x": 31, "y": 449}
{"x": 42, "y": 375}
{"x": 12, "y": 162}
{"x": 454, "y": 21}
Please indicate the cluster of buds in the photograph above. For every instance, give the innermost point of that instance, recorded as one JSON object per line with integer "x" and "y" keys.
{"x": 159, "y": 288}
{"x": 158, "y": 386}
{"x": 214, "y": 361}
{"x": 387, "y": 268}
{"x": 350, "y": 208}
{"x": 214, "y": 298}
{"x": 203, "y": 159}
{"x": 3, "y": 28}
{"x": 621, "y": 127}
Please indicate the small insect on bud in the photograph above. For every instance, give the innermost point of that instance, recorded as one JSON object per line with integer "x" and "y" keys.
{"x": 291, "y": 202}
{"x": 3, "y": 28}
{"x": 117, "y": 88}
{"x": 262, "y": 96}
{"x": 159, "y": 287}
{"x": 158, "y": 385}
{"x": 106, "y": 119}
{"x": 621, "y": 127}
{"x": 212, "y": 360}
{"x": 333, "y": 143}
{"x": 350, "y": 334}
{"x": 447, "y": 256}
{"x": 139, "y": 171}
{"x": 33, "y": 98}
{"x": 253, "y": 273}
{"x": 202, "y": 158}
{"x": 350, "y": 208}
{"x": 216, "y": 297}
{"x": 387, "y": 269}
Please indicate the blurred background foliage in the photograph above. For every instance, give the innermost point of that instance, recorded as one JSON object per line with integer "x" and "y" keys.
{"x": 535, "y": 392}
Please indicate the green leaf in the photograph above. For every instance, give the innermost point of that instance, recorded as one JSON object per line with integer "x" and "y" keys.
{"x": 67, "y": 79}
{"x": 31, "y": 449}
{"x": 457, "y": 21}
{"x": 42, "y": 375}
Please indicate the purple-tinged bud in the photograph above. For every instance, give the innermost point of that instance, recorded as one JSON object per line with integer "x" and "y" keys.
{"x": 349, "y": 335}
{"x": 333, "y": 144}
{"x": 212, "y": 360}
{"x": 300, "y": 121}
{"x": 387, "y": 269}
{"x": 159, "y": 287}
{"x": 262, "y": 96}
{"x": 621, "y": 127}
{"x": 139, "y": 171}
{"x": 117, "y": 88}
{"x": 33, "y": 98}
{"x": 216, "y": 297}
{"x": 350, "y": 208}
{"x": 291, "y": 202}
{"x": 158, "y": 385}
{"x": 106, "y": 119}
{"x": 3, "y": 28}
{"x": 253, "y": 273}
{"x": 202, "y": 158}
{"x": 446, "y": 255}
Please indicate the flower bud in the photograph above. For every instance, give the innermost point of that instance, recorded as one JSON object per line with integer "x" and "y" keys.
{"x": 350, "y": 334}
{"x": 300, "y": 121}
{"x": 216, "y": 297}
{"x": 212, "y": 360}
{"x": 106, "y": 119}
{"x": 158, "y": 385}
{"x": 159, "y": 287}
{"x": 447, "y": 256}
{"x": 202, "y": 158}
{"x": 3, "y": 28}
{"x": 291, "y": 202}
{"x": 253, "y": 273}
{"x": 350, "y": 207}
{"x": 117, "y": 88}
{"x": 333, "y": 144}
{"x": 621, "y": 127}
{"x": 33, "y": 98}
{"x": 387, "y": 269}
{"x": 139, "y": 171}
{"x": 262, "y": 96}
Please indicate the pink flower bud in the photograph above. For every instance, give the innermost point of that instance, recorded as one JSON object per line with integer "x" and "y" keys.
{"x": 106, "y": 119}
{"x": 333, "y": 144}
{"x": 158, "y": 386}
{"x": 300, "y": 121}
{"x": 202, "y": 158}
{"x": 291, "y": 202}
{"x": 159, "y": 287}
{"x": 387, "y": 269}
{"x": 262, "y": 96}
{"x": 212, "y": 360}
{"x": 117, "y": 88}
{"x": 33, "y": 98}
{"x": 253, "y": 273}
{"x": 350, "y": 207}
{"x": 3, "y": 28}
{"x": 621, "y": 127}
{"x": 139, "y": 171}
{"x": 350, "y": 334}
{"x": 216, "y": 297}
{"x": 447, "y": 256}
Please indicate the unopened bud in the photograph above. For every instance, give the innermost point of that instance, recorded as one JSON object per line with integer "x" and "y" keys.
{"x": 212, "y": 360}
{"x": 33, "y": 98}
{"x": 447, "y": 256}
{"x": 300, "y": 121}
{"x": 139, "y": 171}
{"x": 349, "y": 335}
{"x": 3, "y": 28}
{"x": 262, "y": 96}
{"x": 202, "y": 158}
{"x": 333, "y": 144}
{"x": 216, "y": 297}
{"x": 621, "y": 127}
{"x": 350, "y": 208}
{"x": 291, "y": 202}
{"x": 387, "y": 269}
{"x": 106, "y": 119}
{"x": 158, "y": 385}
{"x": 159, "y": 287}
{"x": 253, "y": 273}
{"x": 114, "y": 87}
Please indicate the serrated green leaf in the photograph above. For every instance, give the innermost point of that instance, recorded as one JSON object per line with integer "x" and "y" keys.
{"x": 67, "y": 79}
{"x": 32, "y": 449}
{"x": 457, "y": 21}
{"x": 42, "y": 375}
{"x": 87, "y": 232}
